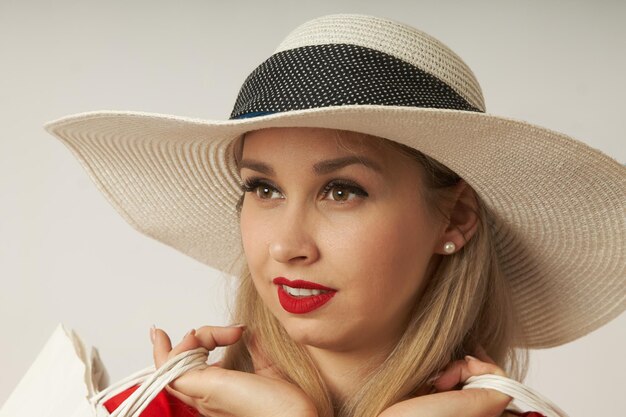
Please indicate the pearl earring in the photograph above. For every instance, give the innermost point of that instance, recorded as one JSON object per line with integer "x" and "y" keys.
{"x": 449, "y": 247}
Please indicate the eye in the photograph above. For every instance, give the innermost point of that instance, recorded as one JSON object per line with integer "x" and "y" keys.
{"x": 263, "y": 189}
{"x": 338, "y": 190}
{"x": 342, "y": 191}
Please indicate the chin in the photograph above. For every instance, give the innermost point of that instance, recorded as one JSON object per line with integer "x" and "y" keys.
{"x": 314, "y": 333}
{"x": 320, "y": 343}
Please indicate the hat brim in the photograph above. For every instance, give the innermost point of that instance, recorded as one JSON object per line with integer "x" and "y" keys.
{"x": 559, "y": 208}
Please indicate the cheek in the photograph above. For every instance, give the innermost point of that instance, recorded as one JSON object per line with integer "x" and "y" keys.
{"x": 391, "y": 253}
{"x": 253, "y": 237}
{"x": 247, "y": 231}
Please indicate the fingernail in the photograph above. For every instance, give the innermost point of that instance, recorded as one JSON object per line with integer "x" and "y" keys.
{"x": 432, "y": 380}
{"x": 192, "y": 332}
{"x": 470, "y": 358}
{"x": 152, "y": 333}
{"x": 243, "y": 326}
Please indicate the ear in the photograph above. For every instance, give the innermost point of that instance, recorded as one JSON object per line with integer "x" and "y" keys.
{"x": 463, "y": 219}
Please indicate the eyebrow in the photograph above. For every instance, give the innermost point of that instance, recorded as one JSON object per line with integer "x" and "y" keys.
{"x": 320, "y": 168}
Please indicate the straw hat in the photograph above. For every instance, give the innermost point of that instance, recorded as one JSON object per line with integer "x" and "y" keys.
{"x": 559, "y": 205}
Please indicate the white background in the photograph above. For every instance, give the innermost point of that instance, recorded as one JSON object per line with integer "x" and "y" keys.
{"x": 67, "y": 256}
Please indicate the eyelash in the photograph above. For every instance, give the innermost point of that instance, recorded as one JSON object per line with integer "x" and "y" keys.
{"x": 251, "y": 184}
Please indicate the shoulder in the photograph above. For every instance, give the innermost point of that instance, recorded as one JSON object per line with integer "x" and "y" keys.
{"x": 163, "y": 405}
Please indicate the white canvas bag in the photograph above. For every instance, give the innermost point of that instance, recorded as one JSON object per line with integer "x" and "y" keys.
{"x": 68, "y": 380}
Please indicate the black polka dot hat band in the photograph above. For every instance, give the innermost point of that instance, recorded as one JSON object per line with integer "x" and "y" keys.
{"x": 341, "y": 74}
{"x": 347, "y": 61}
{"x": 558, "y": 205}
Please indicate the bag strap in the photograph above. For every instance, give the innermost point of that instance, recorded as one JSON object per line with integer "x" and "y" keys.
{"x": 524, "y": 398}
{"x": 152, "y": 382}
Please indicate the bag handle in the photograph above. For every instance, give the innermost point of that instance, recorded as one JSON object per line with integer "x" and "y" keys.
{"x": 152, "y": 382}
{"x": 524, "y": 398}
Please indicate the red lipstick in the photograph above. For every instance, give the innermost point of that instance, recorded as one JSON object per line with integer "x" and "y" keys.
{"x": 302, "y": 304}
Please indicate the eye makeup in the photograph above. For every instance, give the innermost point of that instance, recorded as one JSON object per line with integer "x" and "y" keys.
{"x": 254, "y": 184}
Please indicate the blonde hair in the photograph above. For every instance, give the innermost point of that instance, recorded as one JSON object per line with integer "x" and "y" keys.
{"x": 467, "y": 301}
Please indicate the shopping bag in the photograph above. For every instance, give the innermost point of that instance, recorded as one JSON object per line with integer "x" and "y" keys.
{"x": 60, "y": 381}
{"x": 69, "y": 380}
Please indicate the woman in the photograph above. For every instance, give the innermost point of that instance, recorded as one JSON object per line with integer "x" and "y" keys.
{"x": 389, "y": 228}
{"x": 374, "y": 226}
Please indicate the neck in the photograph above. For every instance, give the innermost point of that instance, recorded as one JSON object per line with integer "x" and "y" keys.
{"x": 344, "y": 371}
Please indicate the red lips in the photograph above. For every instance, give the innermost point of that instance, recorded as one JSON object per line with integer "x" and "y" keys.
{"x": 302, "y": 304}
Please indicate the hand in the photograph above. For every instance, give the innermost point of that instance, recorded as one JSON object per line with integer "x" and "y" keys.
{"x": 216, "y": 392}
{"x": 446, "y": 402}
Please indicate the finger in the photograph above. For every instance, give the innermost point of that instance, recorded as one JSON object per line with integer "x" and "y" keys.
{"x": 199, "y": 385}
{"x": 466, "y": 403}
{"x": 161, "y": 347}
{"x": 189, "y": 342}
{"x": 184, "y": 398}
{"x": 481, "y": 354}
{"x": 459, "y": 371}
{"x": 213, "y": 336}
{"x": 194, "y": 385}
{"x": 485, "y": 401}
{"x": 209, "y": 337}
{"x": 477, "y": 367}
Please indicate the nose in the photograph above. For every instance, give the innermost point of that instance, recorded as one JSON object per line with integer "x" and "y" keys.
{"x": 292, "y": 241}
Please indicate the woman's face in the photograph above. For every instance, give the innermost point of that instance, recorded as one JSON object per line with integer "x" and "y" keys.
{"x": 345, "y": 215}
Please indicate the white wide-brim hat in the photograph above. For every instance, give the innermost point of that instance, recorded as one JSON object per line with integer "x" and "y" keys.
{"x": 559, "y": 212}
